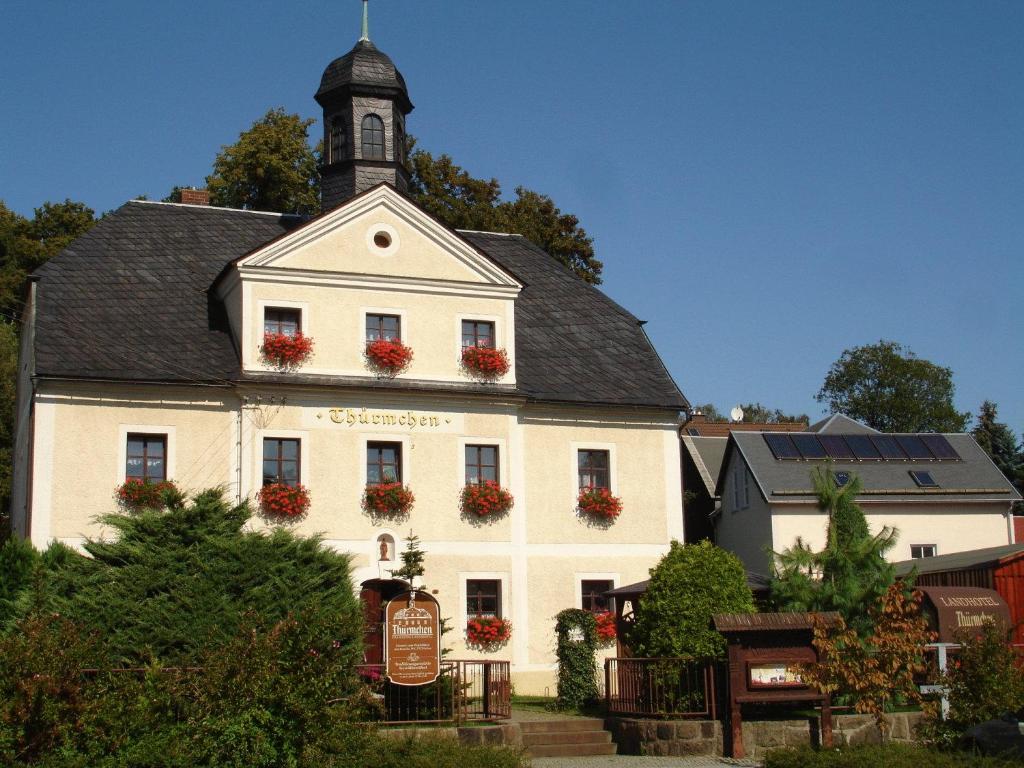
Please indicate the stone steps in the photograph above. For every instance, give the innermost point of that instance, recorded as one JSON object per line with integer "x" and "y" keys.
{"x": 578, "y": 737}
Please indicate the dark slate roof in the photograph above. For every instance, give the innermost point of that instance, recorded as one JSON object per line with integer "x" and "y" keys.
{"x": 573, "y": 343}
{"x": 973, "y": 477}
{"x": 958, "y": 561}
{"x": 130, "y": 300}
{"x": 365, "y": 65}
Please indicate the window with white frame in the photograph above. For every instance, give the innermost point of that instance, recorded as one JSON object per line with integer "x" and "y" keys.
{"x": 917, "y": 551}
{"x": 483, "y": 597}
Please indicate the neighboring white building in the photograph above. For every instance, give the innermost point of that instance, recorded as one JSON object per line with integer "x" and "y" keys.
{"x": 141, "y": 358}
{"x": 941, "y": 492}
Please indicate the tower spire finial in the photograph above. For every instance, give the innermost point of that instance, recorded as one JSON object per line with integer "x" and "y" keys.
{"x": 366, "y": 21}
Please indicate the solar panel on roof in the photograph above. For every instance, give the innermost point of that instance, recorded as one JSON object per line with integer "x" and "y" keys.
{"x": 862, "y": 447}
{"x": 940, "y": 447}
{"x": 888, "y": 447}
{"x": 913, "y": 446}
{"x": 782, "y": 446}
{"x": 835, "y": 446}
{"x": 808, "y": 446}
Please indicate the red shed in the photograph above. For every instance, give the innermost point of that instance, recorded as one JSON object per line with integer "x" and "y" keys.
{"x": 998, "y": 568}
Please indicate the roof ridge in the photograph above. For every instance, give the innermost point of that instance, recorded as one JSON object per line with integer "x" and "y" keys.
{"x": 488, "y": 232}
{"x": 215, "y": 208}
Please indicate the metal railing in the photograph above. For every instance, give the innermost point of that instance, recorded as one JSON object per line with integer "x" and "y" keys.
{"x": 665, "y": 687}
{"x": 465, "y": 690}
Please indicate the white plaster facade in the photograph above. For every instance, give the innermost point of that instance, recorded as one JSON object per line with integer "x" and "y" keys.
{"x": 333, "y": 272}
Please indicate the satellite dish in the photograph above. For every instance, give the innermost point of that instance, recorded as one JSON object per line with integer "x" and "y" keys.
{"x": 736, "y": 414}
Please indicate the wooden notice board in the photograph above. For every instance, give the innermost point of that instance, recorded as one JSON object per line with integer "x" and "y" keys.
{"x": 412, "y": 639}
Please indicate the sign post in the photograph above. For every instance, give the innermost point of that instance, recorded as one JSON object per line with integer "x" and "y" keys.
{"x": 412, "y": 639}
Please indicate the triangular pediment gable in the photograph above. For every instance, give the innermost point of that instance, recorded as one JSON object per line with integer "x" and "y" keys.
{"x": 381, "y": 234}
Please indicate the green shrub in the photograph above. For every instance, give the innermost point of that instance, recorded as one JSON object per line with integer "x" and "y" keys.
{"x": 576, "y": 631}
{"x": 984, "y": 679}
{"x": 879, "y": 756}
{"x": 168, "y": 585}
{"x": 688, "y": 586}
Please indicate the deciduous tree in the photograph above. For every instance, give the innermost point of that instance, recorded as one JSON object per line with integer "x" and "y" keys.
{"x": 688, "y": 586}
{"x": 888, "y": 387}
{"x": 270, "y": 168}
{"x": 461, "y": 201}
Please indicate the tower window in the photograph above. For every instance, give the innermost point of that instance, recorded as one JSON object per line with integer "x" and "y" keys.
{"x": 337, "y": 140}
{"x": 373, "y": 138}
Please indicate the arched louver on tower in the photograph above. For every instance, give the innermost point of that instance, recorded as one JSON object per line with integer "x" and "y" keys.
{"x": 373, "y": 138}
{"x": 337, "y": 140}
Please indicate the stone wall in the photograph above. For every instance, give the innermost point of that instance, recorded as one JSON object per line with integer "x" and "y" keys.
{"x": 665, "y": 737}
{"x": 704, "y": 737}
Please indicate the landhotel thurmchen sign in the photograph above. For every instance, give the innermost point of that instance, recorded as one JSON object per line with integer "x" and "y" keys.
{"x": 412, "y": 639}
{"x": 955, "y": 611}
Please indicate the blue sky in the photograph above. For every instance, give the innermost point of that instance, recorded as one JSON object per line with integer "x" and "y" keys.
{"x": 768, "y": 184}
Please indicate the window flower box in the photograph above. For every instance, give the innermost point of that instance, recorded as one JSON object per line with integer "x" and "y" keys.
{"x": 486, "y": 363}
{"x": 606, "y": 631}
{"x": 135, "y": 494}
{"x": 599, "y": 502}
{"x": 486, "y": 499}
{"x": 388, "y": 499}
{"x": 488, "y": 632}
{"x": 387, "y": 357}
{"x": 286, "y": 351}
{"x": 283, "y": 501}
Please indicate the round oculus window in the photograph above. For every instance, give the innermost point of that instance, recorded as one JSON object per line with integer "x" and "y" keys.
{"x": 382, "y": 239}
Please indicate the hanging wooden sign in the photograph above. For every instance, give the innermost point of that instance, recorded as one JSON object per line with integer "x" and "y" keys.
{"x": 412, "y": 639}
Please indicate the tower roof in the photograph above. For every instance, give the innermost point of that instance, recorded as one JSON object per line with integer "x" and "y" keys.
{"x": 364, "y": 68}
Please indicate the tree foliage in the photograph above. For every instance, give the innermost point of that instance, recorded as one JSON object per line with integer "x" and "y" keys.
{"x": 167, "y": 584}
{"x": 461, "y": 201}
{"x": 889, "y": 388}
{"x": 688, "y": 586}
{"x": 877, "y": 670}
{"x": 270, "y": 168}
{"x": 999, "y": 442}
{"x": 850, "y": 574}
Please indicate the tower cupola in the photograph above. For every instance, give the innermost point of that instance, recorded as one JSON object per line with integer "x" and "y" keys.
{"x": 365, "y": 103}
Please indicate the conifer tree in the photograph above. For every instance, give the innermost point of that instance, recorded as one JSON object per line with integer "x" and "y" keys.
{"x": 850, "y": 574}
{"x": 412, "y": 562}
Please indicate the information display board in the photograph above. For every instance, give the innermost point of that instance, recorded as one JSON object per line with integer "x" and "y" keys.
{"x": 412, "y": 639}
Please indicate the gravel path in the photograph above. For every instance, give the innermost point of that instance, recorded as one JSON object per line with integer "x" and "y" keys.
{"x": 631, "y": 761}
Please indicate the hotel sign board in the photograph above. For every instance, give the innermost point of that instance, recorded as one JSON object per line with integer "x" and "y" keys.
{"x": 957, "y": 611}
{"x": 412, "y": 639}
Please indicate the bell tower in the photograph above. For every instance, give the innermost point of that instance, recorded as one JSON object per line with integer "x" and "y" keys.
{"x": 365, "y": 103}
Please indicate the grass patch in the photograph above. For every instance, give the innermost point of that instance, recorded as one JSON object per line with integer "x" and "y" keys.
{"x": 549, "y": 704}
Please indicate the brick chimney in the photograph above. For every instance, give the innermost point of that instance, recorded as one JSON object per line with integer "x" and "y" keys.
{"x": 195, "y": 196}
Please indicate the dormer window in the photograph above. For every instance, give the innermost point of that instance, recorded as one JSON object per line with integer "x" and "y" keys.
{"x": 477, "y": 333}
{"x": 373, "y": 138}
{"x": 279, "y": 321}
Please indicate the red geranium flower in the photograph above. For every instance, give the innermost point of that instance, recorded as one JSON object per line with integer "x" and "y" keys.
{"x": 391, "y": 499}
{"x": 485, "y": 362}
{"x": 488, "y": 631}
{"x": 135, "y": 494}
{"x": 605, "y": 626}
{"x": 599, "y": 502}
{"x": 282, "y": 500}
{"x": 485, "y": 499}
{"x": 387, "y": 357}
{"x": 286, "y": 350}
